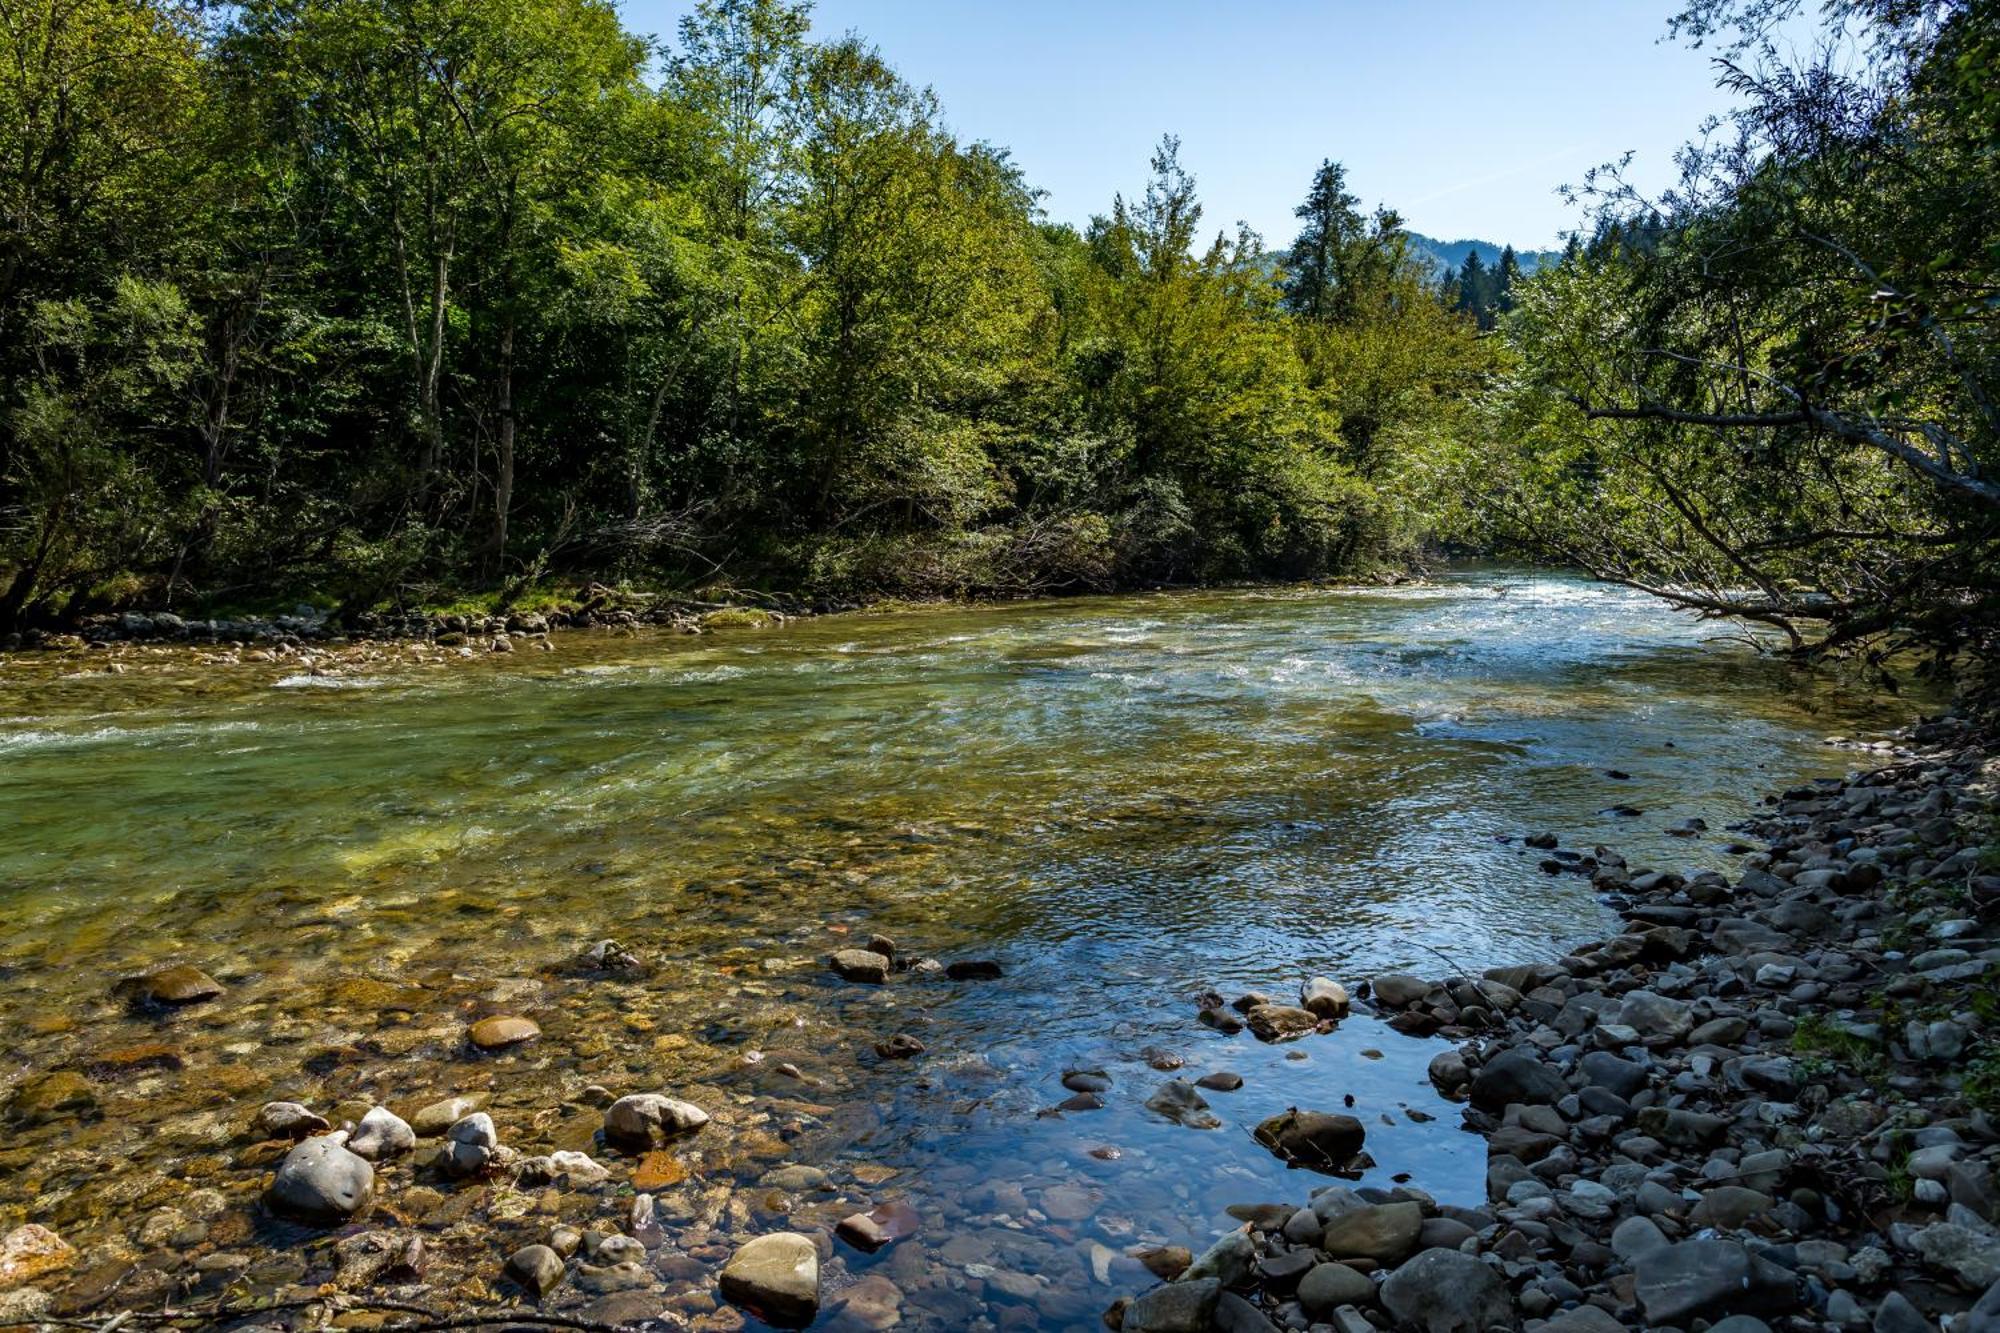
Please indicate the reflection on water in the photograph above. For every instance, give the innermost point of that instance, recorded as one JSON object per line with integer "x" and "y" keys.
{"x": 1124, "y": 800}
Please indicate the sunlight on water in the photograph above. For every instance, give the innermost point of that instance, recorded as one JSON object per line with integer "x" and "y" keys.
{"x": 1124, "y": 800}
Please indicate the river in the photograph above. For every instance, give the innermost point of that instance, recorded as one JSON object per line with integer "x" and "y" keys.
{"x": 1124, "y": 801}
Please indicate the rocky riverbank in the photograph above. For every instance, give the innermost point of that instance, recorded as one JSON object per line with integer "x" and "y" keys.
{"x": 1767, "y": 1104}
{"x": 311, "y": 629}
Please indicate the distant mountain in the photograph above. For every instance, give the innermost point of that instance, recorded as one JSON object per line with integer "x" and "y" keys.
{"x": 1442, "y": 256}
{"x": 1450, "y": 255}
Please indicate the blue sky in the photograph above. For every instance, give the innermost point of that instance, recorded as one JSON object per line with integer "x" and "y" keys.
{"x": 1463, "y": 116}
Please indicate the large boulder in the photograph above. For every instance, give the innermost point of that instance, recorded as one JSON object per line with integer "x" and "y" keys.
{"x": 1514, "y": 1077}
{"x": 776, "y": 1278}
{"x": 321, "y": 1181}
{"x": 1710, "y": 1279}
{"x": 1448, "y": 1291}
{"x": 1313, "y": 1139}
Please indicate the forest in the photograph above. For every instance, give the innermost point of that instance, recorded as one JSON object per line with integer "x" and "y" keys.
{"x": 374, "y": 303}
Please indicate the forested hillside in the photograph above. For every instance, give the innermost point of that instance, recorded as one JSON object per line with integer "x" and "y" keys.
{"x": 383, "y": 301}
{"x": 1770, "y": 392}
{"x": 391, "y": 302}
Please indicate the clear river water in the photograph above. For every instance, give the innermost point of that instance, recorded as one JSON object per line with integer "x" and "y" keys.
{"x": 1124, "y": 801}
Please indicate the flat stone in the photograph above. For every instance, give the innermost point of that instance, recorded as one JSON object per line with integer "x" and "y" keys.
{"x": 288, "y": 1120}
{"x": 1398, "y": 990}
{"x": 882, "y": 1225}
{"x": 1280, "y": 1022}
{"x": 434, "y": 1119}
{"x": 32, "y": 1251}
{"x": 873, "y": 1303}
{"x": 658, "y": 1170}
{"x": 1971, "y": 1256}
{"x": 173, "y": 986}
{"x": 775, "y": 1277}
{"x": 1220, "y": 1080}
{"x": 1709, "y": 1279}
{"x": 861, "y": 965}
{"x": 1069, "y": 1203}
{"x": 500, "y": 1031}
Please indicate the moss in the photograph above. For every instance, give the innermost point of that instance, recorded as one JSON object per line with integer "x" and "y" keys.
{"x": 1824, "y": 1045}
{"x": 738, "y": 617}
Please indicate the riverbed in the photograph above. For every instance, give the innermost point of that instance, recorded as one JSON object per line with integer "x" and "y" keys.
{"x": 1122, "y": 801}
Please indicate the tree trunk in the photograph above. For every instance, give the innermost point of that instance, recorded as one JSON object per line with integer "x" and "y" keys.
{"x": 503, "y": 480}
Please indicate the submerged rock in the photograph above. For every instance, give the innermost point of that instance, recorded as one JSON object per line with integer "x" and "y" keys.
{"x": 1280, "y": 1022}
{"x": 288, "y": 1120}
{"x": 321, "y": 1181}
{"x": 439, "y": 1116}
{"x": 52, "y": 1096}
{"x": 32, "y": 1251}
{"x": 881, "y": 1225}
{"x": 171, "y": 987}
{"x": 775, "y": 1277}
{"x": 362, "y": 1260}
{"x": 501, "y": 1031}
{"x": 1179, "y": 1102}
{"x": 1178, "y": 1307}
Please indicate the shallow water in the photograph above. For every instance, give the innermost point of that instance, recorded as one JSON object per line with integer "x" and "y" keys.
{"x": 1123, "y": 800}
